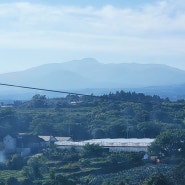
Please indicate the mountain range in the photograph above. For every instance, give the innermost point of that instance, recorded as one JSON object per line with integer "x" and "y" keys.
{"x": 90, "y": 75}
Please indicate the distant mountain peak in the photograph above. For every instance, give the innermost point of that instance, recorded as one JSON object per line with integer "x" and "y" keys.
{"x": 85, "y": 61}
{"x": 89, "y": 60}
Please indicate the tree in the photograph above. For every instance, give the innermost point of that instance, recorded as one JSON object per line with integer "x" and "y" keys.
{"x": 117, "y": 130}
{"x": 149, "y": 129}
{"x": 8, "y": 121}
{"x": 12, "y": 181}
{"x": 27, "y": 182}
{"x": 39, "y": 101}
{"x": 62, "y": 180}
{"x": 92, "y": 150}
{"x": 179, "y": 173}
{"x": 169, "y": 143}
{"x": 16, "y": 162}
{"x": 36, "y": 167}
{"x": 98, "y": 133}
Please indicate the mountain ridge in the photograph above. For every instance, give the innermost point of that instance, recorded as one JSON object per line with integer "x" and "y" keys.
{"x": 89, "y": 73}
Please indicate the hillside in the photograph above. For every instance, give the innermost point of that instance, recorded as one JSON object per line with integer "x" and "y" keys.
{"x": 110, "y": 116}
{"x": 120, "y": 115}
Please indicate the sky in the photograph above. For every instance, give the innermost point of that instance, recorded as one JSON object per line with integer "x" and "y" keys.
{"x": 36, "y": 32}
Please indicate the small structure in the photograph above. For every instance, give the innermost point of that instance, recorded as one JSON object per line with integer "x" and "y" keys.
{"x": 146, "y": 157}
{"x": 50, "y": 140}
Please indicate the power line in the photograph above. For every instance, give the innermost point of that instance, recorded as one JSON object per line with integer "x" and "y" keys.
{"x": 71, "y": 93}
{"x": 48, "y": 90}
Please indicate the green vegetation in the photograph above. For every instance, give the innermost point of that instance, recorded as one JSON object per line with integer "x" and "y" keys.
{"x": 43, "y": 169}
{"x": 170, "y": 143}
{"x": 156, "y": 179}
{"x": 119, "y": 115}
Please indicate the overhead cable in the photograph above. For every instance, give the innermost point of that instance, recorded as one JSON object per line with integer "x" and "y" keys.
{"x": 48, "y": 90}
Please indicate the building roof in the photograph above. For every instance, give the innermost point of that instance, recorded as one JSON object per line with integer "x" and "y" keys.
{"x": 52, "y": 138}
{"x": 48, "y": 138}
{"x": 63, "y": 138}
{"x": 120, "y": 142}
{"x": 26, "y": 139}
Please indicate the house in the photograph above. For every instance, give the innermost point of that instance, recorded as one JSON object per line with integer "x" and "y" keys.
{"x": 22, "y": 143}
{"x": 28, "y": 143}
{"x": 9, "y": 144}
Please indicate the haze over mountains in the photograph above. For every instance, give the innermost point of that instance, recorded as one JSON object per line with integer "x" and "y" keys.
{"x": 88, "y": 74}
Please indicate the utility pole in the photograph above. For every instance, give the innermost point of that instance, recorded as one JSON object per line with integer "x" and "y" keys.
{"x": 127, "y": 130}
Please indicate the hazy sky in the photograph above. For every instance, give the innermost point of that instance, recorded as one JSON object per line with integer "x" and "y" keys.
{"x": 45, "y": 31}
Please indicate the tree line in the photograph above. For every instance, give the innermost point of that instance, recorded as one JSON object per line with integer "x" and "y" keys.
{"x": 119, "y": 115}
